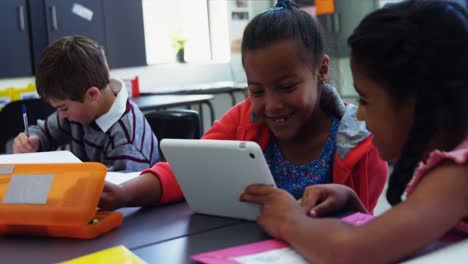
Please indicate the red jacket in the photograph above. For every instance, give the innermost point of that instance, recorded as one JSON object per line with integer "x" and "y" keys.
{"x": 360, "y": 168}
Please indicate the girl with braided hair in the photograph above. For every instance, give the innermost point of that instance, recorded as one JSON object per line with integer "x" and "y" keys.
{"x": 409, "y": 63}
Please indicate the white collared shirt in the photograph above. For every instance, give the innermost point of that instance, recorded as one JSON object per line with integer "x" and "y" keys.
{"x": 118, "y": 107}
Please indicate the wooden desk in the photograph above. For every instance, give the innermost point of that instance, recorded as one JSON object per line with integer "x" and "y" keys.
{"x": 149, "y": 102}
{"x": 141, "y": 228}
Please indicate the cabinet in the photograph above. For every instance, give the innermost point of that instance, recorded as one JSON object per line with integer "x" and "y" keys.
{"x": 124, "y": 32}
{"x": 29, "y": 26}
{"x": 115, "y": 24}
{"x": 15, "y": 48}
{"x": 77, "y": 17}
{"x": 339, "y": 25}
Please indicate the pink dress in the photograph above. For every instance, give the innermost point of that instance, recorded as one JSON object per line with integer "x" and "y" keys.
{"x": 458, "y": 155}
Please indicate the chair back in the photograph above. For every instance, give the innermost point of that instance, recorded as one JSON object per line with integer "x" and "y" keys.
{"x": 11, "y": 118}
{"x": 175, "y": 123}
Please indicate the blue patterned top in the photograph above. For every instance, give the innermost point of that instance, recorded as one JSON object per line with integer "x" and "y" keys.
{"x": 295, "y": 178}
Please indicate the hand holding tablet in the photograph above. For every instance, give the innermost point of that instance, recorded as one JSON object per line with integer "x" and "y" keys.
{"x": 213, "y": 173}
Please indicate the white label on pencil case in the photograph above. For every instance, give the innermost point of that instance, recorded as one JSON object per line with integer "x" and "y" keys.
{"x": 28, "y": 189}
{"x": 6, "y": 169}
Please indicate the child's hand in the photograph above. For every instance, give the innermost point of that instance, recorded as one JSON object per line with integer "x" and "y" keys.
{"x": 279, "y": 209}
{"x": 113, "y": 197}
{"x": 25, "y": 144}
{"x": 323, "y": 199}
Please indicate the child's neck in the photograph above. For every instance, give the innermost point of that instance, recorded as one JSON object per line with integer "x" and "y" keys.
{"x": 106, "y": 100}
{"x": 308, "y": 143}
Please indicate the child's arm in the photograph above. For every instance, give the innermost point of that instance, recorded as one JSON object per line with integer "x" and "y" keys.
{"x": 144, "y": 190}
{"x": 438, "y": 203}
{"x": 52, "y": 132}
{"x": 154, "y": 186}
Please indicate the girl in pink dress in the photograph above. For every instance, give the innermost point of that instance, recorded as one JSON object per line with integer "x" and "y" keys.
{"x": 410, "y": 68}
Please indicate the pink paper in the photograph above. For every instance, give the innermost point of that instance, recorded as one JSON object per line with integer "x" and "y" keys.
{"x": 224, "y": 256}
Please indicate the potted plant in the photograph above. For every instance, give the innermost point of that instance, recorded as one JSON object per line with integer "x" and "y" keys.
{"x": 179, "y": 46}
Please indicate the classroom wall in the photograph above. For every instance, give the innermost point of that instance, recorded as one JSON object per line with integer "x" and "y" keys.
{"x": 236, "y": 29}
{"x": 154, "y": 78}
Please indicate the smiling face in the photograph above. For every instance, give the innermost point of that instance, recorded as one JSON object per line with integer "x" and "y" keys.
{"x": 283, "y": 88}
{"x": 389, "y": 122}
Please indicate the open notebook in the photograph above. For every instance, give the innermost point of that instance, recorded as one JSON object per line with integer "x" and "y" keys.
{"x": 64, "y": 156}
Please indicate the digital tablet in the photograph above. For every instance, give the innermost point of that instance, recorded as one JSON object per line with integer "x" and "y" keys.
{"x": 213, "y": 173}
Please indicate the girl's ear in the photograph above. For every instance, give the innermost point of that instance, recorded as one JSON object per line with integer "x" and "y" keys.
{"x": 323, "y": 69}
{"x": 92, "y": 94}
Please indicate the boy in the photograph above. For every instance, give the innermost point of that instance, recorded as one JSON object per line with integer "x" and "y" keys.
{"x": 94, "y": 115}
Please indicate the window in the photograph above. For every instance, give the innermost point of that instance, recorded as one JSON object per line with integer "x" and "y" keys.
{"x": 201, "y": 23}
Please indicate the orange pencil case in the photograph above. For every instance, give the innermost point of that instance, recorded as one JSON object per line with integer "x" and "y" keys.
{"x": 55, "y": 200}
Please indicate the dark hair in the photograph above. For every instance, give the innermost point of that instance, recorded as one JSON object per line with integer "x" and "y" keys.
{"x": 418, "y": 49}
{"x": 69, "y": 66}
{"x": 284, "y": 21}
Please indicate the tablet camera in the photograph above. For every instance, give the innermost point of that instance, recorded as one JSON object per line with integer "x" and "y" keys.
{"x": 252, "y": 155}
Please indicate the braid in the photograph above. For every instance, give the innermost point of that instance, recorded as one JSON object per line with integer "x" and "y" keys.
{"x": 420, "y": 135}
{"x": 412, "y": 59}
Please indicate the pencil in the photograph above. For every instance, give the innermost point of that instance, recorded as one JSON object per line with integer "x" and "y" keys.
{"x": 25, "y": 120}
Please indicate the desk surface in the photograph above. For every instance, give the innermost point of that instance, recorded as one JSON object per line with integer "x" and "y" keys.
{"x": 228, "y": 236}
{"x": 180, "y": 249}
{"x": 141, "y": 227}
{"x": 153, "y": 101}
{"x": 169, "y": 234}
